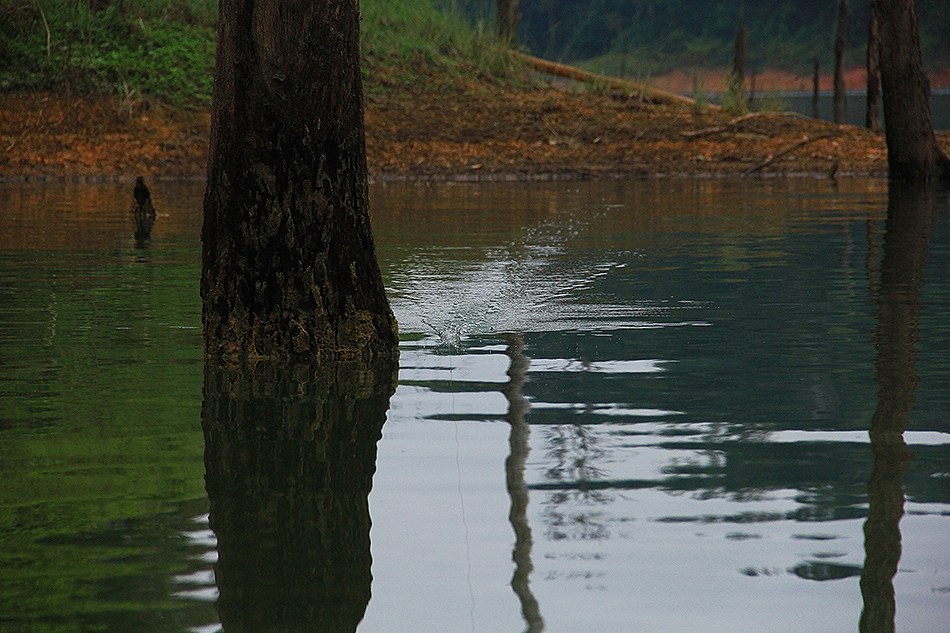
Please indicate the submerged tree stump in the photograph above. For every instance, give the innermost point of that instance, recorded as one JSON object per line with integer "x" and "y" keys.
{"x": 289, "y": 264}
{"x": 143, "y": 212}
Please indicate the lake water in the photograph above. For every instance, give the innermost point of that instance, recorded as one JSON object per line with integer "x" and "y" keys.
{"x": 706, "y": 405}
{"x": 856, "y": 106}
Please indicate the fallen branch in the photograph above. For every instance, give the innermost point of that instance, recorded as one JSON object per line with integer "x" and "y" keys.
{"x": 576, "y": 74}
{"x": 716, "y": 129}
{"x": 788, "y": 150}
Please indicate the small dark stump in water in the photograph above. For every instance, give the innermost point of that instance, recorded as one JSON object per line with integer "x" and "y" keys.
{"x": 143, "y": 213}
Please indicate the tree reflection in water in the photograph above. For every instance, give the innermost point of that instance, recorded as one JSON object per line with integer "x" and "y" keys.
{"x": 910, "y": 218}
{"x": 515, "y": 482}
{"x": 574, "y": 478}
{"x": 290, "y": 454}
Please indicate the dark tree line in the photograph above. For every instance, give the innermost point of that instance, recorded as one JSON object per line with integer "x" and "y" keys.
{"x": 678, "y": 32}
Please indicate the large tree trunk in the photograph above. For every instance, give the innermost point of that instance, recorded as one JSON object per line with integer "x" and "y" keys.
{"x": 912, "y": 150}
{"x": 289, "y": 265}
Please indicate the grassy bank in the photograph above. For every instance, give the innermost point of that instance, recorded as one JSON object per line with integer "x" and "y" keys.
{"x": 164, "y": 51}
{"x": 136, "y": 50}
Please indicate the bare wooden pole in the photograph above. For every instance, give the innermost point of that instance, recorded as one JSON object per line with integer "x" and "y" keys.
{"x": 874, "y": 71}
{"x": 839, "y": 97}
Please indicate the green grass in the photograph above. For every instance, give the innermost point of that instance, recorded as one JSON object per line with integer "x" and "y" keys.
{"x": 164, "y": 51}
{"x": 161, "y": 50}
{"x": 408, "y": 43}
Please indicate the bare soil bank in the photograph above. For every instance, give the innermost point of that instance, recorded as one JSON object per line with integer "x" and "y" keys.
{"x": 500, "y": 133}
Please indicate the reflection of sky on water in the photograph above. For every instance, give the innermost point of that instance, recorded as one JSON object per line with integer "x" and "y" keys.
{"x": 701, "y": 381}
{"x": 675, "y": 471}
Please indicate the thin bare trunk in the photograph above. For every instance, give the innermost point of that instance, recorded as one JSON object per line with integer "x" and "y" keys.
{"x": 739, "y": 66}
{"x": 873, "y": 68}
{"x": 839, "y": 96}
{"x": 509, "y": 14}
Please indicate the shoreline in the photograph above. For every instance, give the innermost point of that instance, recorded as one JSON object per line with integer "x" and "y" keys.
{"x": 495, "y": 134}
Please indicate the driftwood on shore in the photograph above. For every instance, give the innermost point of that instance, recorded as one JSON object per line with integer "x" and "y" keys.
{"x": 734, "y": 123}
{"x": 788, "y": 150}
{"x": 573, "y": 73}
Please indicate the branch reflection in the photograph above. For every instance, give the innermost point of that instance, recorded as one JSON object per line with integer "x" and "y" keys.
{"x": 290, "y": 454}
{"x": 515, "y": 481}
{"x": 909, "y": 227}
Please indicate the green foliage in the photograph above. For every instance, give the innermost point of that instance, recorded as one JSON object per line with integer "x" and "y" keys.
{"x": 411, "y": 42}
{"x": 155, "y": 49}
{"x": 735, "y": 99}
{"x": 700, "y": 100}
{"x": 165, "y": 50}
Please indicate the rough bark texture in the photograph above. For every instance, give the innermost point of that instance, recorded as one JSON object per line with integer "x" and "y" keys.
{"x": 912, "y": 150}
{"x": 839, "y": 89}
{"x": 289, "y": 265}
{"x": 290, "y": 452}
{"x": 874, "y": 71}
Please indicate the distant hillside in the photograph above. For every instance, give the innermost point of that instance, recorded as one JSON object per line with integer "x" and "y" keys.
{"x": 163, "y": 50}
{"x": 648, "y": 37}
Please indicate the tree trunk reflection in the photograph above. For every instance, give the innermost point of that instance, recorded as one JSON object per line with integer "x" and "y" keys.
{"x": 910, "y": 218}
{"x": 515, "y": 482}
{"x": 290, "y": 453}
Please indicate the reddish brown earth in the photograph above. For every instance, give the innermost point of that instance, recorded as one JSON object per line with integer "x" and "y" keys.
{"x": 686, "y": 81}
{"x": 500, "y": 133}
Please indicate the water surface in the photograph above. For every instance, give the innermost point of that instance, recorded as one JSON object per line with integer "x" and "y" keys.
{"x": 621, "y": 406}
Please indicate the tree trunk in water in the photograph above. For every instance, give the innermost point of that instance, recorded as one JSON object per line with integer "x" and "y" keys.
{"x": 839, "y": 96}
{"x": 912, "y": 150}
{"x": 288, "y": 265}
{"x": 873, "y": 68}
{"x": 509, "y": 13}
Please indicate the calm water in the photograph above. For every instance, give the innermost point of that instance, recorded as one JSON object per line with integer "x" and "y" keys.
{"x": 621, "y": 406}
{"x": 856, "y": 106}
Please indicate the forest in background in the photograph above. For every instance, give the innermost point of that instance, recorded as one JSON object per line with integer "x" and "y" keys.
{"x": 164, "y": 49}
{"x": 641, "y": 38}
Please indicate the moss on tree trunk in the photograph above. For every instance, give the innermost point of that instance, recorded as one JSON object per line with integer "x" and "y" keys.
{"x": 289, "y": 265}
